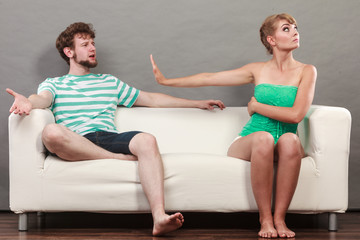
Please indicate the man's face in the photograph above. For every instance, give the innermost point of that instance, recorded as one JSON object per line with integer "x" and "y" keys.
{"x": 85, "y": 51}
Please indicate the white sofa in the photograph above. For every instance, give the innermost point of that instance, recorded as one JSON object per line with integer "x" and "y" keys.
{"x": 199, "y": 177}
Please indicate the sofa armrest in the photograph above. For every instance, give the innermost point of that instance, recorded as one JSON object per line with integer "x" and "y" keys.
{"x": 26, "y": 154}
{"x": 325, "y": 134}
{"x": 25, "y": 138}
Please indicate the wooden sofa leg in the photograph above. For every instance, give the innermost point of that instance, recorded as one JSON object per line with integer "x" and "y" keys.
{"x": 332, "y": 222}
{"x": 23, "y": 226}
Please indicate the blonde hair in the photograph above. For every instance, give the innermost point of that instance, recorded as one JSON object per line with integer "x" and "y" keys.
{"x": 269, "y": 26}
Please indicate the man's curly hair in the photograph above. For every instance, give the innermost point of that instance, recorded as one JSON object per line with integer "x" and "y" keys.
{"x": 66, "y": 38}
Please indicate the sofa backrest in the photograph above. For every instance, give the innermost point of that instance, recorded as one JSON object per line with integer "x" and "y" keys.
{"x": 185, "y": 130}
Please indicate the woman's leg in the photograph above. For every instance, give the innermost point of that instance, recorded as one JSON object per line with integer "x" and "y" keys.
{"x": 289, "y": 153}
{"x": 258, "y": 148}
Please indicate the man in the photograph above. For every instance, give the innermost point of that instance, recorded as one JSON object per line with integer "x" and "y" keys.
{"x": 84, "y": 107}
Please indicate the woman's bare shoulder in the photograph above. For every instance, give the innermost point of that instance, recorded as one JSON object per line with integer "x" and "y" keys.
{"x": 309, "y": 69}
{"x": 309, "y": 73}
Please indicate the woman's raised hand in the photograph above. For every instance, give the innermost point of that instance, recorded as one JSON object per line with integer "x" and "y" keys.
{"x": 158, "y": 75}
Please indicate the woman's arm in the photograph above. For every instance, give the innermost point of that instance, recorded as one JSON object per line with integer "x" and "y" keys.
{"x": 149, "y": 99}
{"x": 234, "y": 77}
{"x": 303, "y": 101}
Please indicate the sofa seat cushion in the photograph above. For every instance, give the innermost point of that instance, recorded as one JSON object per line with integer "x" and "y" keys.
{"x": 192, "y": 182}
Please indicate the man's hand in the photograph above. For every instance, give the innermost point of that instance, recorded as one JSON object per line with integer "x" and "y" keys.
{"x": 251, "y": 106}
{"x": 21, "y": 104}
{"x": 209, "y": 104}
{"x": 159, "y": 77}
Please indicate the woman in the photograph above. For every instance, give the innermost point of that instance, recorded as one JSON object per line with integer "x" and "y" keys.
{"x": 284, "y": 91}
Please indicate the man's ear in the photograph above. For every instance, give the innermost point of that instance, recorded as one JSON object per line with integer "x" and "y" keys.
{"x": 68, "y": 52}
{"x": 271, "y": 41}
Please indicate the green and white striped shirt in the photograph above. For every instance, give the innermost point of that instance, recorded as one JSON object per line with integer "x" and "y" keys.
{"x": 87, "y": 103}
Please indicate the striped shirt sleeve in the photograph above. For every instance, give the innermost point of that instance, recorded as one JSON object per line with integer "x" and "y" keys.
{"x": 49, "y": 86}
{"x": 127, "y": 94}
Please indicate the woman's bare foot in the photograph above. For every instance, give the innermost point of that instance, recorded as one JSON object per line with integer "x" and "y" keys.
{"x": 167, "y": 223}
{"x": 267, "y": 230}
{"x": 283, "y": 231}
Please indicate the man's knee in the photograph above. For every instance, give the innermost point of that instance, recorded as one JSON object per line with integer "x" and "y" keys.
{"x": 52, "y": 136}
{"x": 143, "y": 142}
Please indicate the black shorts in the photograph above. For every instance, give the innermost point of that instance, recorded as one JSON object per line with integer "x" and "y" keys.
{"x": 113, "y": 142}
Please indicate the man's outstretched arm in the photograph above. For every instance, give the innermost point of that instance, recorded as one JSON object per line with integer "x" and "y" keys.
{"x": 23, "y": 105}
{"x": 149, "y": 99}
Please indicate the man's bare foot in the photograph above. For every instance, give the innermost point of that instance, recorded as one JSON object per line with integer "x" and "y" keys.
{"x": 167, "y": 223}
{"x": 283, "y": 231}
{"x": 267, "y": 230}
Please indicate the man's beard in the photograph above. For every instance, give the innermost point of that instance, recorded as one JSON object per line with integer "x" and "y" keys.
{"x": 87, "y": 63}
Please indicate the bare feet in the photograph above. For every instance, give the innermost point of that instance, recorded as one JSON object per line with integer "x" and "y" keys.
{"x": 283, "y": 231}
{"x": 267, "y": 230}
{"x": 167, "y": 223}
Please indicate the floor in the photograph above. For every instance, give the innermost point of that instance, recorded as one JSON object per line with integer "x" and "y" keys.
{"x": 197, "y": 226}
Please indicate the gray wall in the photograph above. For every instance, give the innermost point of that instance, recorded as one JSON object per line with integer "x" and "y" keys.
{"x": 186, "y": 37}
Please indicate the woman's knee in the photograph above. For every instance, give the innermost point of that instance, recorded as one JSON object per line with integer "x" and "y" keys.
{"x": 264, "y": 138}
{"x": 289, "y": 144}
{"x": 263, "y": 143}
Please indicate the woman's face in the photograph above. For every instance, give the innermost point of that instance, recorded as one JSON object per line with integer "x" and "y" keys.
{"x": 286, "y": 36}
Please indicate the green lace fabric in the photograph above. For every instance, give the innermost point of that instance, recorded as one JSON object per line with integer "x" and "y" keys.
{"x": 274, "y": 95}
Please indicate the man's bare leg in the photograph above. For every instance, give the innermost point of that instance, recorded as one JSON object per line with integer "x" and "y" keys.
{"x": 151, "y": 173}
{"x": 71, "y": 146}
